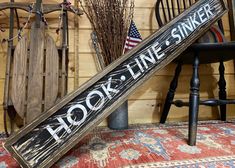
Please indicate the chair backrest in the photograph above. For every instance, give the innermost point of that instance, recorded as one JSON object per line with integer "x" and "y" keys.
{"x": 166, "y": 10}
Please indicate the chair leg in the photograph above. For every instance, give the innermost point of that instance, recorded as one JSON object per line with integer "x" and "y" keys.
{"x": 222, "y": 91}
{"x": 194, "y": 103}
{"x": 171, "y": 94}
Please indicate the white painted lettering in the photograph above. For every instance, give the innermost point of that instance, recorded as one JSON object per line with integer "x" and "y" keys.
{"x": 54, "y": 133}
{"x": 108, "y": 89}
{"x": 175, "y": 35}
{"x": 98, "y": 104}
{"x": 144, "y": 58}
{"x": 181, "y": 31}
{"x": 193, "y": 20}
{"x": 135, "y": 76}
{"x": 156, "y": 50}
{"x": 208, "y": 10}
{"x": 139, "y": 65}
{"x": 202, "y": 15}
{"x": 187, "y": 26}
{"x": 69, "y": 114}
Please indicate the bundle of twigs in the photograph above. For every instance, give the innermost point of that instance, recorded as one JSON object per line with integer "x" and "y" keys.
{"x": 110, "y": 20}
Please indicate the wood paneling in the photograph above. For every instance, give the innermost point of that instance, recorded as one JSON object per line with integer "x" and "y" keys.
{"x": 1, "y": 92}
{"x": 157, "y": 87}
{"x": 143, "y": 24}
{"x": 85, "y": 40}
{"x": 70, "y": 84}
{"x": 149, "y": 97}
{"x": 71, "y": 65}
{"x": 3, "y": 57}
{"x": 1, "y": 119}
{"x": 87, "y": 67}
{"x": 149, "y": 111}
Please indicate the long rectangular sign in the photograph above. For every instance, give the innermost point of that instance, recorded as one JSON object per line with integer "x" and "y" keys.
{"x": 43, "y": 142}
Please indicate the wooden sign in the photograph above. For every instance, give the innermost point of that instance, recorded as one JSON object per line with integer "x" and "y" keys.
{"x": 49, "y": 137}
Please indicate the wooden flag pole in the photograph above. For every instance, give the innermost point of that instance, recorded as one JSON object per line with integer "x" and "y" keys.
{"x": 56, "y": 131}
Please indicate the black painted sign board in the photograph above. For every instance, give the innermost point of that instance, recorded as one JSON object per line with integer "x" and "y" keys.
{"x": 55, "y": 132}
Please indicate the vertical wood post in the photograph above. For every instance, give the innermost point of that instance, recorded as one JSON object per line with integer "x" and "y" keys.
{"x": 64, "y": 51}
{"x": 8, "y": 66}
{"x": 194, "y": 102}
{"x": 38, "y": 13}
{"x": 222, "y": 91}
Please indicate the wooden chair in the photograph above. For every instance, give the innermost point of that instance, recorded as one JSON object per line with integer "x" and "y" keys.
{"x": 36, "y": 73}
{"x": 198, "y": 53}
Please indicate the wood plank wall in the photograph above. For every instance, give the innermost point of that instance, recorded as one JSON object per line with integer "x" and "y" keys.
{"x": 145, "y": 105}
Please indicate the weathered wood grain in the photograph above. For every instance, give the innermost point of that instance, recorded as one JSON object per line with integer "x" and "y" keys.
{"x": 76, "y": 53}
{"x": 3, "y": 56}
{"x": 2, "y": 120}
{"x": 64, "y": 38}
{"x": 35, "y": 73}
{"x": 19, "y": 77}
{"x": 72, "y": 57}
{"x": 71, "y": 85}
{"x": 51, "y": 73}
{"x": 1, "y": 90}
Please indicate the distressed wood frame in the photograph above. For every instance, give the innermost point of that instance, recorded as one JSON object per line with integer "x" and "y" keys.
{"x": 174, "y": 50}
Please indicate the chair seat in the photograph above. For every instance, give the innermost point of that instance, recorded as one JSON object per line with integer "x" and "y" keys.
{"x": 217, "y": 51}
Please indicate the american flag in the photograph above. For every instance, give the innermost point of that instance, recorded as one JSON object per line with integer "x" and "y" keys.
{"x": 133, "y": 37}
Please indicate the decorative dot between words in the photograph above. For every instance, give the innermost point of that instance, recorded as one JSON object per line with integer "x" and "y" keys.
{"x": 123, "y": 78}
{"x": 167, "y": 43}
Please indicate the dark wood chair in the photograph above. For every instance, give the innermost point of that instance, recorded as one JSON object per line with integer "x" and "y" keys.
{"x": 198, "y": 53}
